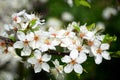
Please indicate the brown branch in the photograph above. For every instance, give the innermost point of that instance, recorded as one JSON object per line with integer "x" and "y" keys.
{"x": 7, "y": 41}
{"x": 52, "y": 52}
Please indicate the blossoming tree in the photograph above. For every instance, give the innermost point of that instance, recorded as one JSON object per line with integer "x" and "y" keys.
{"x": 59, "y": 52}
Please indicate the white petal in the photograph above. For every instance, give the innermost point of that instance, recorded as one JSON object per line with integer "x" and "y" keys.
{"x": 97, "y": 43}
{"x": 56, "y": 63}
{"x": 74, "y": 54}
{"x": 26, "y": 51}
{"x": 18, "y": 19}
{"x": 66, "y": 59}
{"x": 78, "y": 68}
{"x": 46, "y": 57}
{"x": 52, "y": 47}
{"x": 106, "y": 55}
{"x": 21, "y": 12}
{"x": 21, "y": 35}
{"x": 45, "y": 67}
{"x": 98, "y": 59}
{"x": 32, "y": 60}
{"x": 68, "y": 68}
{"x": 44, "y": 48}
{"x": 55, "y": 42}
{"x": 18, "y": 44}
{"x": 37, "y": 54}
{"x": 82, "y": 57}
{"x": 30, "y": 36}
{"x": 104, "y": 46}
{"x": 37, "y": 68}
{"x": 93, "y": 50}
{"x": 83, "y": 29}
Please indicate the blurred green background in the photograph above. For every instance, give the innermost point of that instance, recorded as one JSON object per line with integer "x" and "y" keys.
{"x": 107, "y": 70}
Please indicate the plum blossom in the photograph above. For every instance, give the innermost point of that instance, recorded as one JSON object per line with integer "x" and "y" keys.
{"x": 100, "y": 52}
{"x": 37, "y": 39}
{"x": 16, "y": 16}
{"x": 39, "y": 61}
{"x": 108, "y": 12}
{"x": 73, "y": 62}
{"x": 24, "y": 43}
{"x": 85, "y": 33}
{"x": 48, "y": 44}
{"x": 58, "y": 70}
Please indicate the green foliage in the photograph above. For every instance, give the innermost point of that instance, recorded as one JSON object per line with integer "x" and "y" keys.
{"x": 91, "y": 26}
{"x": 77, "y": 28}
{"x": 33, "y": 22}
{"x": 115, "y": 54}
{"x": 12, "y": 38}
{"x": 83, "y": 3}
{"x": 109, "y": 39}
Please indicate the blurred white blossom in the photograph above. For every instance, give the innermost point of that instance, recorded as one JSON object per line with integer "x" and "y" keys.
{"x": 70, "y": 2}
{"x": 109, "y": 12}
{"x": 54, "y": 22}
{"x": 67, "y": 16}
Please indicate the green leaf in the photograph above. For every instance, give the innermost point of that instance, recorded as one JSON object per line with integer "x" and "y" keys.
{"x": 115, "y": 54}
{"x": 91, "y": 26}
{"x": 32, "y": 23}
{"x": 77, "y": 28}
{"x": 12, "y": 38}
{"x": 77, "y": 2}
{"x": 109, "y": 39}
{"x": 35, "y": 29}
{"x": 83, "y": 3}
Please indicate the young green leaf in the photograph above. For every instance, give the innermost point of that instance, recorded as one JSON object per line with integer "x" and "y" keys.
{"x": 109, "y": 39}
{"x": 83, "y": 3}
{"x": 91, "y": 26}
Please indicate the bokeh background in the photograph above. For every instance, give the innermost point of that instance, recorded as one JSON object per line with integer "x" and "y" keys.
{"x": 58, "y": 13}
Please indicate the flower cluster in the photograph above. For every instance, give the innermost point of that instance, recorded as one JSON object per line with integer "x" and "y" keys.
{"x": 72, "y": 45}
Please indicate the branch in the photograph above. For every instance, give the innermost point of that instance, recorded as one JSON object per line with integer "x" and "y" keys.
{"x": 57, "y": 53}
{"x": 7, "y": 41}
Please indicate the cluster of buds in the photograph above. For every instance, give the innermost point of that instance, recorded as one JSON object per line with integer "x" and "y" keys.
{"x": 39, "y": 47}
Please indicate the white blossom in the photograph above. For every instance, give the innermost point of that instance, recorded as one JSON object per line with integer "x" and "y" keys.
{"x": 100, "y": 52}
{"x": 73, "y": 62}
{"x": 66, "y": 16}
{"x": 108, "y": 12}
{"x": 24, "y": 43}
{"x": 40, "y": 61}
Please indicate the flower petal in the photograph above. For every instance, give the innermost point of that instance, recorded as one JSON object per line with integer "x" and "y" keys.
{"x": 97, "y": 43}
{"x": 45, "y": 67}
{"x": 26, "y": 51}
{"x": 66, "y": 59}
{"x": 98, "y": 59}
{"x": 18, "y": 44}
{"x": 93, "y": 50}
{"x": 44, "y": 48}
{"x": 37, "y": 68}
{"x": 21, "y": 35}
{"x": 68, "y": 68}
{"x": 32, "y": 60}
{"x": 37, "y": 54}
{"x": 46, "y": 57}
{"x": 82, "y": 57}
{"x": 74, "y": 54}
{"x": 78, "y": 68}
{"x": 105, "y": 46}
{"x": 30, "y": 36}
{"x": 106, "y": 55}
